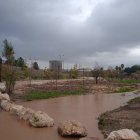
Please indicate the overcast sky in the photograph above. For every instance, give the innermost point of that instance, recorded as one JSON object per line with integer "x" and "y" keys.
{"x": 77, "y": 31}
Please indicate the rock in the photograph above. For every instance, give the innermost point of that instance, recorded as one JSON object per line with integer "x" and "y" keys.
{"x": 6, "y": 105}
{"x": 72, "y": 128}
{"x": 26, "y": 114}
{"x": 4, "y": 96}
{"x": 2, "y": 88}
{"x": 35, "y": 119}
{"x": 89, "y": 138}
{"x": 15, "y": 109}
{"x": 123, "y": 134}
{"x": 41, "y": 119}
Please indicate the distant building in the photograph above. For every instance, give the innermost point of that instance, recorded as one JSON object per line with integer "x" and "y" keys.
{"x": 55, "y": 65}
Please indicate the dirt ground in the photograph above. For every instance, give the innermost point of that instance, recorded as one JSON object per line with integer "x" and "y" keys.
{"x": 124, "y": 117}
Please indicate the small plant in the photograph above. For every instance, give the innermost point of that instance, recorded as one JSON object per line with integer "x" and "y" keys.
{"x": 101, "y": 120}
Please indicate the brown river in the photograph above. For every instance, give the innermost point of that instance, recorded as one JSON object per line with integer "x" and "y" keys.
{"x": 84, "y": 108}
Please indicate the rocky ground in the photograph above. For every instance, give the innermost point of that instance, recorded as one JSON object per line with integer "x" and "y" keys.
{"x": 124, "y": 117}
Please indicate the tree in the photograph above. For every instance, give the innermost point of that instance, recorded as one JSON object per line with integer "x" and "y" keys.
{"x": 50, "y": 74}
{"x": 20, "y": 62}
{"x": 132, "y": 69}
{"x": 117, "y": 68}
{"x": 9, "y": 75}
{"x": 97, "y": 72}
{"x": 8, "y": 52}
{"x": 122, "y": 66}
{"x": 35, "y": 66}
{"x": 73, "y": 73}
{"x": 120, "y": 71}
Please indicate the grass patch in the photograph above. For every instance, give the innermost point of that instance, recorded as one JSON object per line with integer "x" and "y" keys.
{"x": 135, "y": 100}
{"x": 123, "y": 89}
{"x": 38, "y": 94}
{"x": 129, "y": 81}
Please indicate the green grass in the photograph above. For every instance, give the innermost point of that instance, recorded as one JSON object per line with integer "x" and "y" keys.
{"x": 123, "y": 89}
{"x": 38, "y": 94}
{"x": 129, "y": 81}
{"x": 135, "y": 100}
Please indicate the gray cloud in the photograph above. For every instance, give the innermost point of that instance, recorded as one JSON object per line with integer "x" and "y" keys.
{"x": 84, "y": 31}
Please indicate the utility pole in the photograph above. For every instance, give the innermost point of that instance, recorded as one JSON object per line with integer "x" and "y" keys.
{"x": 30, "y": 71}
{"x": 0, "y": 69}
{"x": 83, "y": 77}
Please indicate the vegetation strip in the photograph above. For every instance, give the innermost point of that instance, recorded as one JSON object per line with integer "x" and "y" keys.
{"x": 38, "y": 94}
{"x": 129, "y": 81}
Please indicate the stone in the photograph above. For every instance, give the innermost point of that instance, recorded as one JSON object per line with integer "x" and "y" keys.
{"x": 41, "y": 119}
{"x": 123, "y": 134}
{"x": 35, "y": 118}
{"x": 15, "y": 109}
{"x": 2, "y": 88}
{"x": 26, "y": 114}
{"x": 6, "y": 105}
{"x": 4, "y": 96}
{"x": 72, "y": 128}
{"x": 89, "y": 138}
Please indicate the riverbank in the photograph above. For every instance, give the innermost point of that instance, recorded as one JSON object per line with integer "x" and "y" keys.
{"x": 127, "y": 116}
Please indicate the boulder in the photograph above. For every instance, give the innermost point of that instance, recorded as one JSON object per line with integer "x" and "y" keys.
{"x": 26, "y": 114}
{"x": 2, "y": 88}
{"x": 41, "y": 119}
{"x": 89, "y": 138}
{"x": 6, "y": 105}
{"x": 4, "y": 96}
{"x": 35, "y": 118}
{"x": 123, "y": 134}
{"x": 15, "y": 109}
{"x": 72, "y": 128}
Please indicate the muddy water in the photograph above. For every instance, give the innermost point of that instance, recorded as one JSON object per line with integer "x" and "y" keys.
{"x": 84, "y": 108}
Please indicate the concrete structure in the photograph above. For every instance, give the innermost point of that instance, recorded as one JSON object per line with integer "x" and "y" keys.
{"x": 55, "y": 65}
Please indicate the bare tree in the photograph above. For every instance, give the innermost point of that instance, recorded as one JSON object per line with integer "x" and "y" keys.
{"x": 97, "y": 72}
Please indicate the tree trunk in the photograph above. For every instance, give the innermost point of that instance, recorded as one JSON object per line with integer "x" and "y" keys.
{"x": 96, "y": 80}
